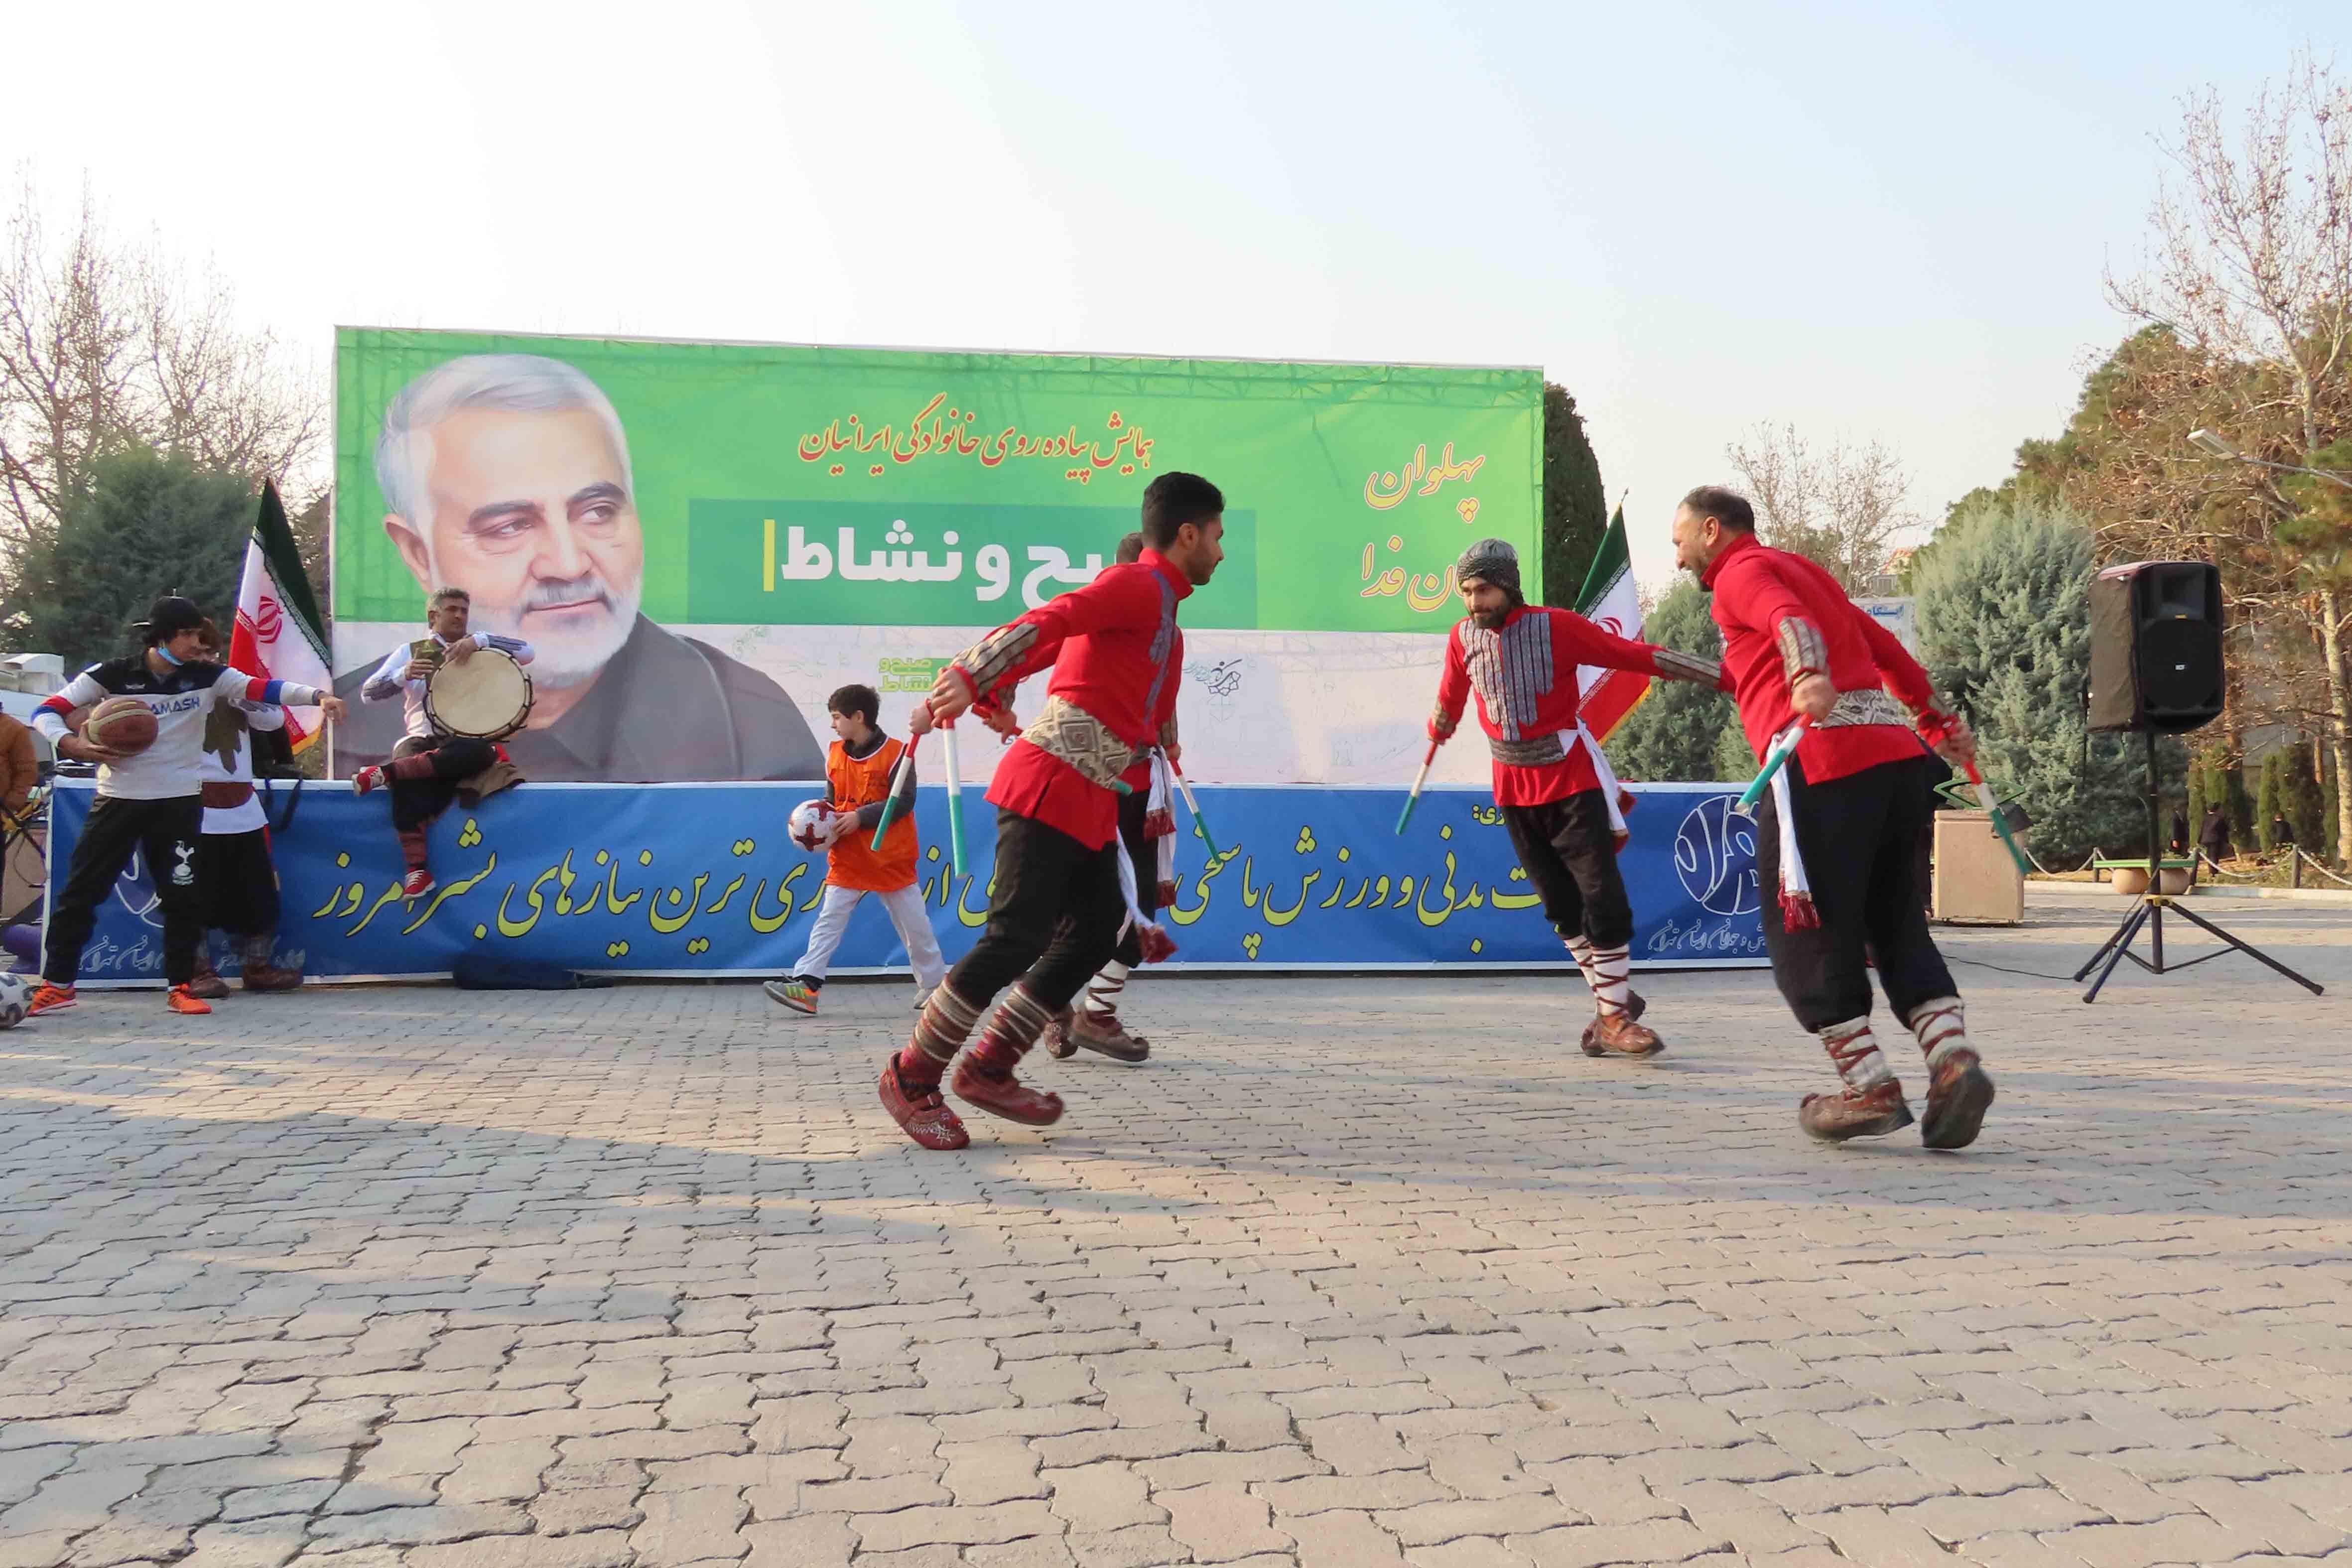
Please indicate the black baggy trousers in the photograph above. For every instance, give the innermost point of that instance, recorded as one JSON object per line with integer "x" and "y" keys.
{"x": 1859, "y": 837}
{"x": 170, "y": 833}
{"x": 1053, "y": 913}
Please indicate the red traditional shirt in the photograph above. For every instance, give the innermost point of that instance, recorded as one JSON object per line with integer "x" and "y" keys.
{"x": 1783, "y": 617}
{"x": 1115, "y": 655}
{"x": 1525, "y": 678}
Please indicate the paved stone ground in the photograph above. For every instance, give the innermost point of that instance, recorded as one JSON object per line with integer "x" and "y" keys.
{"x": 1354, "y": 1272}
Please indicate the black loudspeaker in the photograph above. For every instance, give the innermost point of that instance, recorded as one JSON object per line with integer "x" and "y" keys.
{"x": 2156, "y": 647}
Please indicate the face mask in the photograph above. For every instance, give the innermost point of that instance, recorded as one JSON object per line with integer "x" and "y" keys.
{"x": 166, "y": 654}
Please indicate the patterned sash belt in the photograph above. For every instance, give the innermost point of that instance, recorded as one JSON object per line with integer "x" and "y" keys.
{"x": 1875, "y": 706}
{"x": 1067, "y": 730}
{"x": 1534, "y": 752}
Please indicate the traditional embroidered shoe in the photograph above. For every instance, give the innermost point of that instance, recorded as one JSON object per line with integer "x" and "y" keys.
{"x": 1634, "y": 1008}
{"x": 1960, "y": 1092}
{"x": 1103, "y": 1032}
{"x": 1616, "y": 1034}
{"x": 1854, "y": 1112}
{"x": 180, "y": 999}
{"x": 367, "y": 779}
{"x": 207, "y": 983}
{"x": 1005, "y": 1096}
{"x": 416, "y": 884}
{"x": 50, "y": 999}
{"x": 792, "y": 993}
{"x": 1055, "y": 1037}
{"x": 923, "y": 1117}
{"x": 270, "y": 977}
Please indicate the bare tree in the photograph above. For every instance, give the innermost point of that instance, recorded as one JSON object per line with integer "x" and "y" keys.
{"x": 105, "y": 343}
{"x": 2250, "y": 268}
{"x": 68, "y": 358}
{"x": 1840, "y": 509}
{"x": 230, "y": 399}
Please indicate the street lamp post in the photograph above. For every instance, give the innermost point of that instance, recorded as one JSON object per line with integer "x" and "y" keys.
{"x": 2220, "y": 448}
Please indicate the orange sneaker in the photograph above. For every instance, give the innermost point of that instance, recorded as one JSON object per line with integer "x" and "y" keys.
{"x": 50, "y": 999}
{"x": 180, "y": 999}
{"x": 796, "y": 994}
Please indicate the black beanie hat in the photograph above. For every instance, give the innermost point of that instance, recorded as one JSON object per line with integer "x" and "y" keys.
{"x": 168, "y": 617}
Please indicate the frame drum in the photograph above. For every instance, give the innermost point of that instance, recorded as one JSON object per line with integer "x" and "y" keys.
{"x": 485, "y": 699}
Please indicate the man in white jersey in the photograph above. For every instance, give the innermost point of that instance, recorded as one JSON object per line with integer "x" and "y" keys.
{"x": 151, "y": 801}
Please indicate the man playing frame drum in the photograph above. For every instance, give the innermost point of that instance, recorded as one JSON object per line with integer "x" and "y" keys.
{"x": 463, "y": 692}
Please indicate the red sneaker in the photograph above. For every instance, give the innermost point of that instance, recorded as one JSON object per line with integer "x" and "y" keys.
{"x": 50, "y": 999}
{"x": 416, "y": 884}
{"x": 1005, "y": 1096}
{"x": 923, "y": 1117}
{"x": 180, "y": 999}
{"x": 367, "y": 779}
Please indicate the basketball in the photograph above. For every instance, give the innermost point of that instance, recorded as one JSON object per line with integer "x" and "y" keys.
{"x": 806, "y": 828}
{"x": 123, "y": 725}
{"x": 15, "y": 994}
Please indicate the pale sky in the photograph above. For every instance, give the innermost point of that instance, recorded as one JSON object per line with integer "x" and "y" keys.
{"x": 1872, "y": 221}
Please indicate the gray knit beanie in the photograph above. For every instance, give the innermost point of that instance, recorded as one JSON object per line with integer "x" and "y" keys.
{"x": 1491, "y": 561}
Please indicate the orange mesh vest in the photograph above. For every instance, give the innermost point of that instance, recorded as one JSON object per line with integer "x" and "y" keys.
{"x": 853, "y": 862}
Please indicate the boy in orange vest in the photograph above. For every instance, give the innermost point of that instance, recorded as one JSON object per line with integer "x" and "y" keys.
{"x": 858, "y": 782}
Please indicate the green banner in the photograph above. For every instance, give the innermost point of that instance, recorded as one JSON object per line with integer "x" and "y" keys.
{"x": 735, "y": 484}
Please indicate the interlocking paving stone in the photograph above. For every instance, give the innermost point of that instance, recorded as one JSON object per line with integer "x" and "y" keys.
{"x": 1371, "y": 1270}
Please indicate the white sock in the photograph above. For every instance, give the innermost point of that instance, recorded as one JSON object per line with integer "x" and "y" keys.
{"x": 1582, "y": 950}
{"x": 1103, "y": 990}
{"x": 1854, "y": 1049}
{"x": 1940, "y": 1029}
{"x": 1610, "y": 966}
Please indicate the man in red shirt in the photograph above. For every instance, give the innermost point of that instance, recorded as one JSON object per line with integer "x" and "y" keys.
{"x": 1055, "y": 912}
{"x": 1551, "y": 779}
{"x": 1835, "y": 839}
{"x": 1145, "y": 823}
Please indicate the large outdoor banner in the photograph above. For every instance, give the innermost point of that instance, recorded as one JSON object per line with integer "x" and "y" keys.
{"x": 702, "y": 540}
{"x": 699, "y": 881}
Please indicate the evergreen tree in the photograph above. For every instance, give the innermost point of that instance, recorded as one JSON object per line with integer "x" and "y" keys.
{"x": 1674, "y": 732}
{"x": 2328, "y": 817}
{"x": 1575, "y": 515}
{"x": 2299, "y": 796}
{"x": 135, "y": 524}
{"x": 2239, "y": 801}
{"x": 2005, "y": 628}
{"x": 2269, "y": 805}
{"x": 1735, "y": 759}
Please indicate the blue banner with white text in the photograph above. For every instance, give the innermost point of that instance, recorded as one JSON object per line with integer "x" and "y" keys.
{"x": 699, "y": 880}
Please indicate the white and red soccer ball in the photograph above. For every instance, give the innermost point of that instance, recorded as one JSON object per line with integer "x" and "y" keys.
{"x": 810, "y": 826}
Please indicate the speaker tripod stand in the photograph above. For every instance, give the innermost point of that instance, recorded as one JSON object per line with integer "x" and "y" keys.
{"x": 2149, "y": 914}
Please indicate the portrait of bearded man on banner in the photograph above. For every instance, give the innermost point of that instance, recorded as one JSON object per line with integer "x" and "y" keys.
{"x": 507, "y": 475}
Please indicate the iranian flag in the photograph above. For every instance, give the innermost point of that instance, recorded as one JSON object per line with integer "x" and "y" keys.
{"x": 1609, "y": 601}
{"x": 277, "y": 634}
